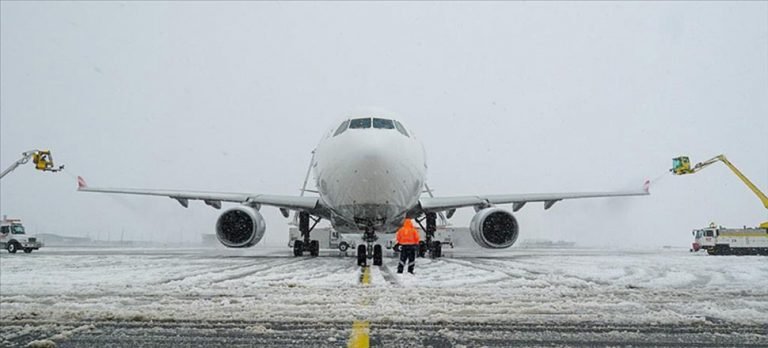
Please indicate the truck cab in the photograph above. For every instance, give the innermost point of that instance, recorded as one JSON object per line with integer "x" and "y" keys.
{"x": 704, "y": 238}
{"x": 13, "y": 237}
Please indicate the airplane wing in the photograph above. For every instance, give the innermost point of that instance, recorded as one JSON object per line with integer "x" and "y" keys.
{"x": 214, "y": 199}
{"x": 436, "y": 204}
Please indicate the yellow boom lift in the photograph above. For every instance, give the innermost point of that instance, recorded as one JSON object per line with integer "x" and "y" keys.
{"x": 682, "y": 165}
{"x": 42, "y": 159}
{"x": 12, "y": 236}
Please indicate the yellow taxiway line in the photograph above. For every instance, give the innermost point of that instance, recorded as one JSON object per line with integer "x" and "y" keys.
{"x": 360, "y": 337}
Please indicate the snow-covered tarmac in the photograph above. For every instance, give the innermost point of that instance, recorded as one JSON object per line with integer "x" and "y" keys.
{"x": 218, "y": 297}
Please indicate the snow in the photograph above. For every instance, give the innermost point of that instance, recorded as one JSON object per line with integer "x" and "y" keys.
{"x": 666, "y": 286}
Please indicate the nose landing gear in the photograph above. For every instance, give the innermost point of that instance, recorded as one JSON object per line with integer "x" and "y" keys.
{"x": 369, "y": 250}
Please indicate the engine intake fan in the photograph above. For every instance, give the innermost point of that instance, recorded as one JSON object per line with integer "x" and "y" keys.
{"x": 494, "y": 228}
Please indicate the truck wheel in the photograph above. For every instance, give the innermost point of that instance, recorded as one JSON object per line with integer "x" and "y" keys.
{"x": 12, "y": 248}
{"x": 343, "y": 246}
{"x": 27, "y": 250}
{"x": 722, "y": 250}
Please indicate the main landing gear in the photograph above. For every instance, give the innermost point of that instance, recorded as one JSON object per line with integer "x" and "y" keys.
{"x": 305, "y": 244}
{"x": 369, "y": 250}
{"x": 434, "y": 247}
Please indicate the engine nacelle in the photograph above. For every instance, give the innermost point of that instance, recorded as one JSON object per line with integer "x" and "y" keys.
{"x": 240, "y": 227}
{"x": 494, "y": 228}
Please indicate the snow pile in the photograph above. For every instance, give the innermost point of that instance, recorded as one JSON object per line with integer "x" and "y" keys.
{"x": 530, "y": 286}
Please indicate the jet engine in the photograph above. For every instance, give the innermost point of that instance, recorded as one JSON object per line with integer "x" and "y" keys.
{"x": 240, "y": 227}
{"x": 494, "y": 228}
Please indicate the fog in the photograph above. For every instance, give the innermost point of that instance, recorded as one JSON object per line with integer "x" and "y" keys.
{"x": 507, "y": 97}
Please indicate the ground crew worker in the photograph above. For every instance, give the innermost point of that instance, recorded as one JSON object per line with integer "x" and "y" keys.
{"x": 41, "y": 161}
{"x": 408, "y": 239}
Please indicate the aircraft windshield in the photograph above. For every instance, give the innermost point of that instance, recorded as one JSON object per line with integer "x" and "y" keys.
{"x": 400, "y": 128}
{"x": 381, "y": 123}
{"x": 341, "y": 128}
{"x": 377, "y": 123}
{"x": 360, "y": 123}
{"x": 17, "y": 229}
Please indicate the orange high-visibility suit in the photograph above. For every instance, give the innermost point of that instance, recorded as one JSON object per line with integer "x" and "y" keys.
{"x": 407, "y": 235}
{"x": 408, "y": 238}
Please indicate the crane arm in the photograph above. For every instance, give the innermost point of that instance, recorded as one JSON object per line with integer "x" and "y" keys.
{"x": 746, "y": 181}
{"x": 43, "y": 161}
{"x": 722, "y": 158}
{"x": 25, "y": 156}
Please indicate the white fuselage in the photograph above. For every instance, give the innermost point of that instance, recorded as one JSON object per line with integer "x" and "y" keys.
{"x": 369, "y": 178}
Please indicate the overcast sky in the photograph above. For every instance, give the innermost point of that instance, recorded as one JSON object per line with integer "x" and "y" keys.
{"x": 507, "y": 97}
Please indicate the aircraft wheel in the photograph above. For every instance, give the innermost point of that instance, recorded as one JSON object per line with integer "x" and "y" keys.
{"x": 437, "y": 249}
{"x": 12, "y": 248}
{"x": 298, "y": 248}
{"x": 377, "y": 255}
{"x": 314, "y": 248}
{"x": 361, "y": 257}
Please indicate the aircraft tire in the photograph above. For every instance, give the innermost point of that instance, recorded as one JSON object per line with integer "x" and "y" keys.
{"x": 298, "y": 248}
{"x": 437, "y": 250}
{"x": 377, "y": 255}
{"x": 314, "y": 248}
{"x": 361, "y": 256}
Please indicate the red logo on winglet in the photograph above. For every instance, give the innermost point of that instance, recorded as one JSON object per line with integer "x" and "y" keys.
{"x": 81, "y": 182}
{"x": 647, "y": 186}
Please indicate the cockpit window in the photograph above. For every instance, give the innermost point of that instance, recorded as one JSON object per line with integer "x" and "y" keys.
{"x": 360, "y": 123}
{"x": 381, "y": 123}
{"x": 400, "y": 128}
{"x": 341, "y": 128}
{"x": 377, "y": 123}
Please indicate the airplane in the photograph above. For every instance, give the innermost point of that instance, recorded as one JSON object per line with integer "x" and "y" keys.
{"x": 370, "y": 173}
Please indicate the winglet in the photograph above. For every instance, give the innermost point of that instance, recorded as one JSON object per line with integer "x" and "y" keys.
{"x": 647, "y": 186}
{"x": 81, "y": 184}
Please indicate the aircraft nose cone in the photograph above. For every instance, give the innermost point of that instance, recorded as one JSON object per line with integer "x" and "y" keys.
{"x": 373, "y": 168}
{"x": 373, "y": 157}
